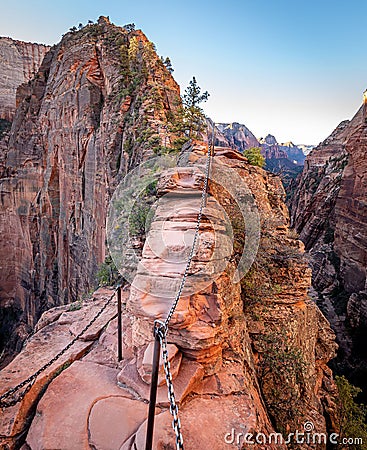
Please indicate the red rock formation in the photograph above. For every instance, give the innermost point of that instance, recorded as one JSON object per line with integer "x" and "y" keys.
{"x": 241, "y": 353}
{"x": 351, "y": 209}
{"x": 20, "y": 62}
{"x": 285, "y": 160}
{"x": 96, "y": 107}
{"x": 329, "y": 212}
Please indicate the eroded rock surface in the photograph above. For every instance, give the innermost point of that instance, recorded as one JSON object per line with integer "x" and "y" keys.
{"x": 19, "y": 63}
{"x": 329, "y": 212}
{"x": 99, "y": 100}
{"x": 247, "y": 355}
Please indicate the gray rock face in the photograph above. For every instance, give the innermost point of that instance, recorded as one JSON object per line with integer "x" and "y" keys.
{"x": 271, "y": 149}
{"x": 237, "y": 136}
{"x": 294, "y": 152}
{"x": 19, "y": 62}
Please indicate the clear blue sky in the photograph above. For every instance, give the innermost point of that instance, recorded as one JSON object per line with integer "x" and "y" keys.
{"x": 291, "y": 68}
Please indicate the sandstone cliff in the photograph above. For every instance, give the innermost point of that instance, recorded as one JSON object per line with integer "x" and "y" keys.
{"x": 98, "y": 105}
{"x": 248, "y": 356}
{"x": 236, "y": 136}
{"x": 329, "y": 211}
{"x": 294, "y": 152}
{"x": 19, "y": 63}
{"x": 271, "y": 148}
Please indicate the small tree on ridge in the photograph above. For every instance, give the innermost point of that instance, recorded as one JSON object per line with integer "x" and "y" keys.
{"x": 194, "y": 117}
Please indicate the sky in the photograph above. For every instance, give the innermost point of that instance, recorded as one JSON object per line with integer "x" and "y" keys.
{"x": 291, "y": 68}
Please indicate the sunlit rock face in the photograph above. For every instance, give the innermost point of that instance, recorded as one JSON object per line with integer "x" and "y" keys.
{"x": 81, "y": 123}
{"x": 247, "y": 356}
{"x": 19, "y": 63}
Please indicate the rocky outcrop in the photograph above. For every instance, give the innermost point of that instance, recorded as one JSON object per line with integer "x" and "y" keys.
{"x": 329, "y": 212}
{"x": 280, "y": 160}
{"x": 288, "y": 151}
{"x": 98, "y": 105}
{"x": 20, "y": 62}
{"x": 236, "y": 136}
{"x": 271, "y": 148}
{"x": 294, "y": 152}
{"x": 285, "y": 160}
{"x": 247, "y": 356}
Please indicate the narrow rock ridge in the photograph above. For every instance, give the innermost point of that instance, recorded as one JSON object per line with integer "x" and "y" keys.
{"x": 246, "y": 356}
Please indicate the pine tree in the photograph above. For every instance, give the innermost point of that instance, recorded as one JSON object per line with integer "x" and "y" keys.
{"x": 352, "y": 415}
{"x": 129, "y": 27}
{"x": 168, "y": 64}
{"x": 254, "y": 156}
{"x": 193, "y": 114}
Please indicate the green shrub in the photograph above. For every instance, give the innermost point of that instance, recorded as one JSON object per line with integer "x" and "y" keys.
{"x": 254, "y": 156}
{"x": 138, "y": 219}
{"x": 142, "y": 214}
{"x": 107, "y": 274}
{"x": 352, "y": 415}
{"x": 75, "y": 306}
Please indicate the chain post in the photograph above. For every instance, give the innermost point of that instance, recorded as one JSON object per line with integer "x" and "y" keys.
{"x": 30, "y": 380}
{"x": 119, "y": 324}
{"x": 159, "y": 329}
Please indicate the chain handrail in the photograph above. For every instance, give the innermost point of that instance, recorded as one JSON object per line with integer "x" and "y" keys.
{"x": 161, "y": 328}
{"x": 31, "y": 379}
{"x": 196, "y": 235}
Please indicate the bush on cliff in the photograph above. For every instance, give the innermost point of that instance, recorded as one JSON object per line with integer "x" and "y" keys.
{"x": 107, "y": 274}
{"x": 254, "y": 156}
{"x": 352, "y": 415}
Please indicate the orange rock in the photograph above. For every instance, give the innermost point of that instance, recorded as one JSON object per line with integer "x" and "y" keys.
{"x": 66, "y": 418}
{"x": 145, "y": 360}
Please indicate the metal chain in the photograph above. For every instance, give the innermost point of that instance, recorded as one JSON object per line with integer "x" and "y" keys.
{"x": 161, "y": 328}
{"x": 30, "y": 380}
{"x": 196, "y": 235}
{"x": 176, "y": 424}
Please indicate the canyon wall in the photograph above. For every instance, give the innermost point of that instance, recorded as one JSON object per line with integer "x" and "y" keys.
{"x": 235, "y": 135}
{"x": 19, "y": 63}
{"x": 286, "y": 160}
{"x": 98, "y": 105}
{"x": 247, "y": 355}
{"x": 102, "y": 102}
{"x": 329, "y": 211}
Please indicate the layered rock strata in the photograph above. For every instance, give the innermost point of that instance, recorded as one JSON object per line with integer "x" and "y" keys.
{"x": 240, "y": 357}
{"x": 19, "y": 63}
{"x": 98, "y": 105}
{"x": 235, "y": 135}
{"x": 329, "y": 212}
